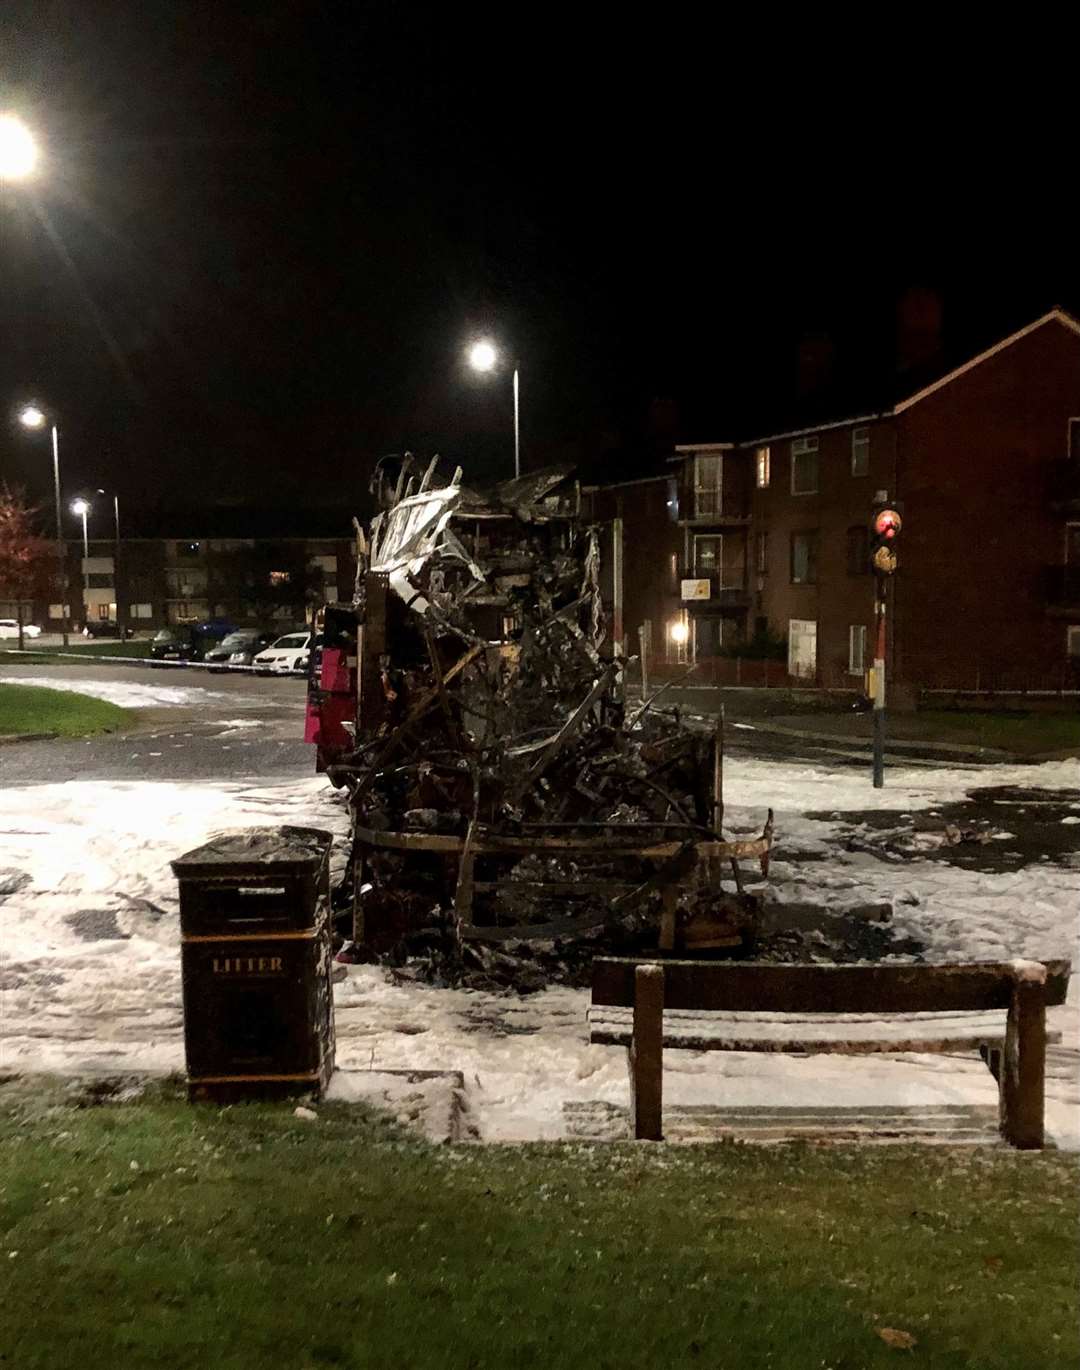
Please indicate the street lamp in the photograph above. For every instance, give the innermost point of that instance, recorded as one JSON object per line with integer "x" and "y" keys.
{"x": 484, "y": 357}
{"x": 18, "y": 149}
{"x": 116, "y": 563}
{"x": 32, "y": 417}
{"x": 80, "y": 508}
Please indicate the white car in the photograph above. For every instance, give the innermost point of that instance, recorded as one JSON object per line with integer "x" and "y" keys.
{"x": 286, "y": 656}
{"x": 9, "y": 627}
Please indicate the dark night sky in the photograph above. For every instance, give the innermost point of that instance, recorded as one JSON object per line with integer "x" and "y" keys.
{"x": 264, "y": 232}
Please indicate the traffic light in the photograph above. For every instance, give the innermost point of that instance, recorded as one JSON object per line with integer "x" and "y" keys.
{"x": 885, "y": 527}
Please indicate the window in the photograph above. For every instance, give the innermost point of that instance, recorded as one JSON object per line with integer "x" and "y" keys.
{"x": 761, "y": 463}
{"x": 804, "y": 548}
{"x": 708, "y": 556}
{"x": 762, "y": 553}
{"x": 1072, "y": 641}
{"x": 804, "y": 466}
{"x": 802, "y": 647}
{"x": 860, "y": 451}
{"x": 59, "y": 610}
{"x": 280, "y": 577}
{"x": 858, "y": 550}
{"x": 142, "y": 611}
{"x": 856, "y": 662}
{"x": 99, "y": 580}
{"x": 103, "y": 612}
{"x": 672, "y": 500}
{"x": 707, "y": 478}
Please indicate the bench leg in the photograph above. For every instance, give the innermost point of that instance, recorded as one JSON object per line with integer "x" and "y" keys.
{"x": 647, "y": 1054}
{"x": 1022, "y": 1083}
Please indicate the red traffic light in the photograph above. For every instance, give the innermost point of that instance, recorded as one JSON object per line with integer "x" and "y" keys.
{"x": 887, "y": 523}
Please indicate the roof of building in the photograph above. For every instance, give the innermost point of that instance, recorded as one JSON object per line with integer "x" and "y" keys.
{"x": 838, "y": 406}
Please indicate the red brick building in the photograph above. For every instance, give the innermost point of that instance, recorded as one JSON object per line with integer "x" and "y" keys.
{"x": 769, "y": 536}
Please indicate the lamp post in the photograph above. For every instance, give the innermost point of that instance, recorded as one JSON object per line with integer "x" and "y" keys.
{"x": 484, "y": 357}
{"x": 116, "y": 563}
{"x": 80, "y": 508}
{"x": 32, "y": 417}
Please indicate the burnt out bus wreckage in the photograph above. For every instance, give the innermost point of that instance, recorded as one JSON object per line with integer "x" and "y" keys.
{"x": 504, "y": 796}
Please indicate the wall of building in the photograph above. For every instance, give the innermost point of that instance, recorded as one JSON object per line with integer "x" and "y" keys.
{"x": 980, "y": 529}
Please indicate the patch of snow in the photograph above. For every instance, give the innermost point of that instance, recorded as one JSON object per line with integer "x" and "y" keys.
{"x": 129, "y": 694}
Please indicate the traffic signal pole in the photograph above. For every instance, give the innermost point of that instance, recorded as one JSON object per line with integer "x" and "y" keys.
{"x": 879, "y": 684}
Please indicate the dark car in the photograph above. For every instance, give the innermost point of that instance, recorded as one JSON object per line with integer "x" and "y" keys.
{"x": 104, "y": 627}
{"x": 239, "y": 648}
{"x": 189, "y": 641}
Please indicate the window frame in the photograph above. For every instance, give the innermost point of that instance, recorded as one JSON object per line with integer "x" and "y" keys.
{"x": 762, "y": 466}
{"x": 701, "y": 488}
{"x": 805, "y": 447}
{"x": 860, "y": 441}
{"x": 857, "y": 633}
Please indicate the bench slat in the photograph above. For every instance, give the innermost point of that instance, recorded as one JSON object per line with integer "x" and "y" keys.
{"x": 871, "y": 988}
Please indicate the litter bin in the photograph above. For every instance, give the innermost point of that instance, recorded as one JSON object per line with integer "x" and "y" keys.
{"x": 256, "y": 958}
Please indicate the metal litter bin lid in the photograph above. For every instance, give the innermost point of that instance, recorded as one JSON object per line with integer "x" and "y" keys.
{"x": 286, "y": 850}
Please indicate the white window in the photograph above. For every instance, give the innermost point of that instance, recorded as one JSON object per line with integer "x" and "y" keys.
{"x": 802, "y": 648}
{"x": 707, "y": 485}
{"x": 856, "y": 662}
{"x": 142, "y": 611}
{"x": 761, "y": 464}
{"x": 860, "y": 451}
{"x": 59, "y": 611}
{"x": 1072, "y": 641}
{"x": 804, "y": 466}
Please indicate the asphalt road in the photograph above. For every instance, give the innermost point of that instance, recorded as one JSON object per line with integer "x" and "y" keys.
{"x": 229, "y": 727}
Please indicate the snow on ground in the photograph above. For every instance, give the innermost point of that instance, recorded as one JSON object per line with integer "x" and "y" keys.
{"x": 89, "y": 978}
{"x": 128, "y": 694}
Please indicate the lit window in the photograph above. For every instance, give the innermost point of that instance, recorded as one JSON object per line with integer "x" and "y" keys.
{"x": 860, "y": 451}
{"x": 279, "y": 577}
{"x": 804, "y": 548}
{"x": 761, "y": 462}
{"x": 804, "y": 466}
{"x": 707, "y": 478}
{"x": 856, "y": 649}
{"x": 708, "y": 555}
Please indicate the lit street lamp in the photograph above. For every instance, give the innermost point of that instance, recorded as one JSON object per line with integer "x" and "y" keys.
{"x": 32, "y": 417}
{"x": 80, "y": 508}
{"x": 18, "y": 149}
{"x": 484, "y": 357}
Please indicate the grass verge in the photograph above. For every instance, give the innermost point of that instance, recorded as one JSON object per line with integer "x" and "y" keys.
{"x": 35, "y": 709}
{"x": 87, "y": 649}
{"x": 1027, "y": 734}
{"x": 156, "y": 1234}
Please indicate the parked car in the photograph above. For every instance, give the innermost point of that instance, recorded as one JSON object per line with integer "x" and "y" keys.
{"x": 189, "y": 641}
{"x": 105, "y": 627}
{"x": 287, "y": 656}
{"x": 240, "y": 648}
{"x": 9, "y": 627}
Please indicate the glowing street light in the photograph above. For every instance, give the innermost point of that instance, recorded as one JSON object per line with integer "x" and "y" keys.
{"x": 30, "y": 416}
{"x": 18, "y": 150}
{"x": 484, "y": 357}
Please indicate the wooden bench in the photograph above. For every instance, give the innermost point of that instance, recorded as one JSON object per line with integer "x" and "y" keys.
{"x": 997, "y": 1008}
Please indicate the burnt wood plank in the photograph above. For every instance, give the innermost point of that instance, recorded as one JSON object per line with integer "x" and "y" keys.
{"x": 750, "y": 986}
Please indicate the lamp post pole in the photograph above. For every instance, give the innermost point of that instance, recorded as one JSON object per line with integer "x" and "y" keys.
{"x": 61, "y": 551}
{"x": 517, "y": 427}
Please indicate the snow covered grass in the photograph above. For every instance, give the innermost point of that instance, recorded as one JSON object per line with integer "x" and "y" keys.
{"x": 151, "y": 1233}
{"x": 29, "y": 709}
{"x": 129, "y": 694}
{"x": 89, "y": 855}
